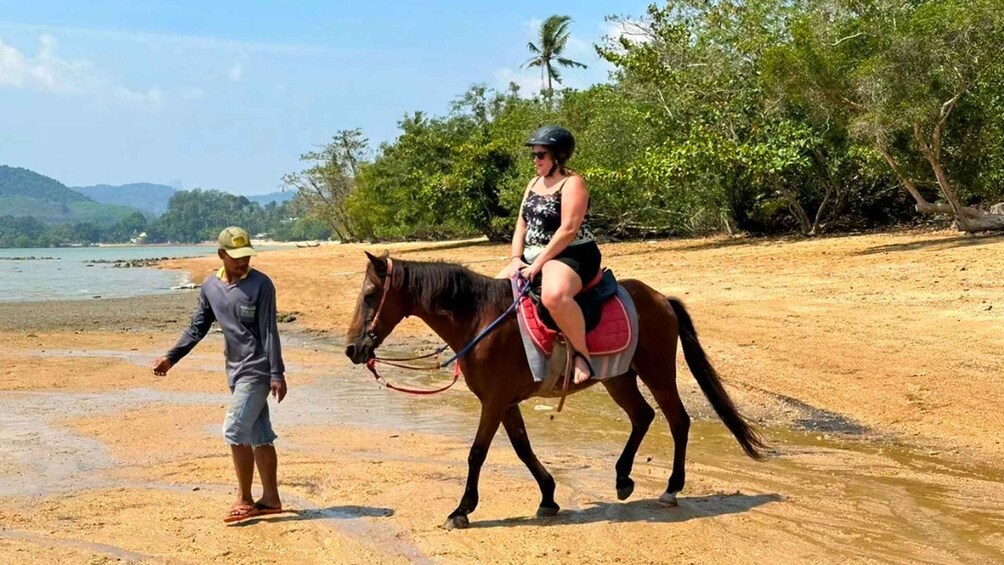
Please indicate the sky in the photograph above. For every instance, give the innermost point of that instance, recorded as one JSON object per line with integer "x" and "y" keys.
{"x": 227, "y": 95}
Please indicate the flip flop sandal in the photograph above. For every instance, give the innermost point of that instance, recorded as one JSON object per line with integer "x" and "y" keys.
{"x": 242, "y": 512}
{"x": 266, "y": 510}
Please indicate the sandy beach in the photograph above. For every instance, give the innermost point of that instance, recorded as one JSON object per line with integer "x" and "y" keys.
{"x": 870, "y": 362}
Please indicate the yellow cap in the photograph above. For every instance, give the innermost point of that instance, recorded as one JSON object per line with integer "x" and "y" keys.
{"x": 236, "y": 242}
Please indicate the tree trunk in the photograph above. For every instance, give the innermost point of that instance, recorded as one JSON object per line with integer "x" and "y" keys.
{"x": 796, "y": 208}
{"x": 830, "y": 189}
{"x": 932, "y": 152}
{"x": 976, "y": 220}
{"x": 923, "y": 206}
{"x": 967, "y": 219}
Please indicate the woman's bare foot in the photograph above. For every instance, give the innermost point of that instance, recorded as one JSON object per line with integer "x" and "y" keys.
{"x": 583, "y": 371}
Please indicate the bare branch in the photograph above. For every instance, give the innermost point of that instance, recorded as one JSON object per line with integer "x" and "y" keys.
{"x": 843, "y": 39}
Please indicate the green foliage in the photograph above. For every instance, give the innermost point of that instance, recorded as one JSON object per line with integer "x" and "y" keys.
{"x": 27, "y": 193}
{"x": 326, "y": 185}
{"x": 764, "y": 116}
{"x": 199, "y": 215}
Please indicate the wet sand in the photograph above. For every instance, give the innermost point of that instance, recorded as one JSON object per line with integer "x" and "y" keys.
{"x": 868, "y": 360}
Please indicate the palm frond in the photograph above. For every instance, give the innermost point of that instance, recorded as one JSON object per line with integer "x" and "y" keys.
{"x": 553, "y": 38}
{"x": 570, "y": 63}
{"x": 559, "y": 44}
{"x": 552, "y": 29}
{"x": 555, "y": 74}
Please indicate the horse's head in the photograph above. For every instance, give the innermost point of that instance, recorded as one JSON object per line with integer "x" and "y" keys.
{"x": 378, "y": 310}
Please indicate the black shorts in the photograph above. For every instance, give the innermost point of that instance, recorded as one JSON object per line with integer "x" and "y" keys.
{"x": 583, "y": 258}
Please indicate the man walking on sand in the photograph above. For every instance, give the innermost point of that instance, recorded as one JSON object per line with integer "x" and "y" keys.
{"x": 242, "y": 301}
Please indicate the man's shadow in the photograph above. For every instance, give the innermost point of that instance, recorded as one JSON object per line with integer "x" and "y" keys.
{"x": 649, "y": 510}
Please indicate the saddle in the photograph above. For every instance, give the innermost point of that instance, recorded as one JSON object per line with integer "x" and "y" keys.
{"x": 608, "y": 327}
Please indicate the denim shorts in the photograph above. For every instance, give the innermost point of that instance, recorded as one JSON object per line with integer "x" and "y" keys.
{"x": 247, "y": 421}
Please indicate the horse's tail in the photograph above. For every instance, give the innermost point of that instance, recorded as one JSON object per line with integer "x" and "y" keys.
{"x": 711, "y": 384}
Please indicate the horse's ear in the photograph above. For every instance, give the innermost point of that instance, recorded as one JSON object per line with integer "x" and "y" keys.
{"x": 379, "y": 264}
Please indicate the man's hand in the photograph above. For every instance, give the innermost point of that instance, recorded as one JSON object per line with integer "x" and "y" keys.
{"x": 161, "y": 366}
{"x": 279, "y": 390}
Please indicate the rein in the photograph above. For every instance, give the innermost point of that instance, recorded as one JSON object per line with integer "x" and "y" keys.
{"x": 401, "y": 362}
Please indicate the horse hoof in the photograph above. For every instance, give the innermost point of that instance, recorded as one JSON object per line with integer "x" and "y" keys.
{"x": 624, "y": 488}
{"x": 547, "y": 511}
{"x": 668, "y": 499}
{"x": 456, "y": 522}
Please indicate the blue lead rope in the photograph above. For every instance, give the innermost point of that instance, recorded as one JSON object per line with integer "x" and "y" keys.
{"x": 396, "y": 362}
{"x": 491, "y": 327}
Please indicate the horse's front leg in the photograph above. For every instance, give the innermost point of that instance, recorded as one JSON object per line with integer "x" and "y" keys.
{"x": 514, "y": 426}
{"x": 491, "y": 417}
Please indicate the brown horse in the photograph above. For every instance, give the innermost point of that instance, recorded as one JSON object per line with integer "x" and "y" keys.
{"x": 457, "y": 303}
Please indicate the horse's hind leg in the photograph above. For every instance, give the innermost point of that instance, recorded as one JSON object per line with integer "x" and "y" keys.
{"x": 516, "y": 429}
{"x": 624, "y": 391}
{"x": 660, "y": 378}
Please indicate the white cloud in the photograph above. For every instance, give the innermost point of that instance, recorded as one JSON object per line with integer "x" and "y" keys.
{"x": 528, "y": 80}
{"x": 46, "y": 71}
{"x": 151, "y": 96}
{"x": 13, "y": 66}
{"x": 235, "y": 72}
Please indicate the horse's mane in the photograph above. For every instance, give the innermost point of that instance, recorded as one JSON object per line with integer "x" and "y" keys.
{"x": 452, "y": 288}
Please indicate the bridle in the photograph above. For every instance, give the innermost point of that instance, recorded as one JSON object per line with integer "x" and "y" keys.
{"x": 399, "y": 362}
{"x": 388, "y": 280}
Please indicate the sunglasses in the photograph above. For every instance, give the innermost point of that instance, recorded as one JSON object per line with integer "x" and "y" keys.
{"x": 539, "y": 155}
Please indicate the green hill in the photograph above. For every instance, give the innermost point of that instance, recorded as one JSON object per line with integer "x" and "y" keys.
{"x": 151, "y": 199}
{"x": 27, "y": 193}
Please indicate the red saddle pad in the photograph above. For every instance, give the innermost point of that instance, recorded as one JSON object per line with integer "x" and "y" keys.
{"x": 612, "y": 335}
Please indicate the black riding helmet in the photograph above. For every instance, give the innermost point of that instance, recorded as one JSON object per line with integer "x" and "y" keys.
{"x": 557, "y": 139}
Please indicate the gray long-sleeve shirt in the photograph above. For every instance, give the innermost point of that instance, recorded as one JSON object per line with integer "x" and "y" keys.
{"x": 246, "y": 313}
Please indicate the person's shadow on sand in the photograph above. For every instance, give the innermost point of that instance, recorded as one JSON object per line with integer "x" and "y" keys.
{"x": 649, "y": 510}
{"x": 331, "y": 513}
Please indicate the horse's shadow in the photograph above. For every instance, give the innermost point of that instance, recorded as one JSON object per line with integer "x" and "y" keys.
{"x": 350, "y": 512}
{"x": 690, "y": 508}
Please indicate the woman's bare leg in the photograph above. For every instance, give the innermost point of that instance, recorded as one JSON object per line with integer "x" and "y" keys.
{"x": 559, "y": 286}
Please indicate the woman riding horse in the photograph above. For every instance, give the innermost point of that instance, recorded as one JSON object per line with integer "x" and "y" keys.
{"x": 553, "y": 239}
{"x": 459, "y": 305}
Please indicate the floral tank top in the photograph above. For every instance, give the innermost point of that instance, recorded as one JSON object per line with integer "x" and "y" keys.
{"x": 542, "y": 215}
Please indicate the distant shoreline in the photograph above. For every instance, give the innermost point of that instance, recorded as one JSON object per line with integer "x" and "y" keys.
{"x": 150, "y": 312}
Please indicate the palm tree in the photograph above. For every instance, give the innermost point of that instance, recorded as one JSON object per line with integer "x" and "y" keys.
{"x": 553, "y": 38}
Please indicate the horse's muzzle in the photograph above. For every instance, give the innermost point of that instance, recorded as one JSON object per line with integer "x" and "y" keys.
{"x": 359, "y": 354}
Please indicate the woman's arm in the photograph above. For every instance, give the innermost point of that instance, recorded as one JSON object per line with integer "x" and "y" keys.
{"x": 519, "y": 234}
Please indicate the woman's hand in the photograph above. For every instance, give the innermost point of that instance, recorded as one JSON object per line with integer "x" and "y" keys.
{"x": 512, "y": 268}
{"x": 528, "y": 272}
